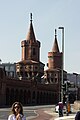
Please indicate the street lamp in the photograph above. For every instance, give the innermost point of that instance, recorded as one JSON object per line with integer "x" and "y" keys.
{"x": 0, "y": 61}
{"x": 62, "y": 28}
{"x": 76, "y": 83}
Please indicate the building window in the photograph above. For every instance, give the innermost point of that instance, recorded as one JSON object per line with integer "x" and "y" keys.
{"x": 55, "y": 80}
{"x": 7, "y": 68}
{"x": 48, "y": 80}
{"x": 34, "y": 51}
{"x": 36, "y": 67}
{"x": 51, "y": 79}
{"x": 55, "y": 75}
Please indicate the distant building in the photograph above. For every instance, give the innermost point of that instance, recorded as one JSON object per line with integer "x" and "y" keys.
{"x": 32, "y": 85}
{"x": 53, "y": 73}
{"x": 72, "y": 78}
{"x": 74, "y": 90}
{"x": 10, "y": 69}
{"x": 30, "y": 65}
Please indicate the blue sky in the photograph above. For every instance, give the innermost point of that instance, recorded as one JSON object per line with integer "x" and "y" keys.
{"x": 48, "y": 15}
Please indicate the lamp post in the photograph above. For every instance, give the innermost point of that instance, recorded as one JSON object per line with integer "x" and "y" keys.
{"x": 0, "y": 61}
{"x": 76, "y": 84}
{"x": 62, "y": 81}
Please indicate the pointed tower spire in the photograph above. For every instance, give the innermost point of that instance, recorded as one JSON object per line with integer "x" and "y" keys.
{"x": 31, "y": 35}
{"x": 55, "y": 45}
{"x": 31, "y": 17}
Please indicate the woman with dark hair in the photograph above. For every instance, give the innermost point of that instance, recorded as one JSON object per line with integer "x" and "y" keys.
{"x": 17, "y": 112}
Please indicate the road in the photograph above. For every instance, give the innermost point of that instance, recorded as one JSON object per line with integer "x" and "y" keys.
{"x": 4, "y": 113}
{"x": 29, "y": 112}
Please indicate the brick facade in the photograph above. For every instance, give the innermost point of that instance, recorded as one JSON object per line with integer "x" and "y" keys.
{"x": 28, "y": 87}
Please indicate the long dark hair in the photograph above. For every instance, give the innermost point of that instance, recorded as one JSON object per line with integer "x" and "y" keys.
{"x": 20, "y": 105}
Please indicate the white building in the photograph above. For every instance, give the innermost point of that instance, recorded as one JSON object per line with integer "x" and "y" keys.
{"x": 74, "y": 78}
{"x": 10, "y": 69}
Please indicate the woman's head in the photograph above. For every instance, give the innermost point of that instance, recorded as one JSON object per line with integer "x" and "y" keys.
{"x": 17, "y": 108}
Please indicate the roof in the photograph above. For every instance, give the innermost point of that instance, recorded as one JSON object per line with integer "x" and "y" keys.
{"x": 49, "y": 69}
{"x": 55, "y": 47}
{"x": 31, "y": 35}
{"x": 28, "y": 62}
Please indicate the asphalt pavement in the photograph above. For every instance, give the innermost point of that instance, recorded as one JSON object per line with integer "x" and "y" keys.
{"x": 50, "y": 114}
{"x": 39, "y": 113}
{"x": 55, "y": 115}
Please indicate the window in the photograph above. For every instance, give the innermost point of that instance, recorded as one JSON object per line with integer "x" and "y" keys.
{"x": 51, "y": 79}
{"x": 34, "y": 51}
{"x": 55, "y": 80}
{"x": 55, "y": 74}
